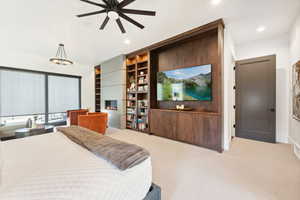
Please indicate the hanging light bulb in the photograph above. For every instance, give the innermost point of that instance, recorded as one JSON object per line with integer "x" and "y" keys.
{"x": 61, "y": 56}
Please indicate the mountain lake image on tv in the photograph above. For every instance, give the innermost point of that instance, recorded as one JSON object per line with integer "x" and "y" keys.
{"x": 186, "y": 84}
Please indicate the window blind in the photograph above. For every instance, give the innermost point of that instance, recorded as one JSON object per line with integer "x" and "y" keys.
{"x": 63, "y": 94}
{"x": 21, "y": 93}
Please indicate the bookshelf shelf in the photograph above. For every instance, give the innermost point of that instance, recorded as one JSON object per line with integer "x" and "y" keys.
{"x": 142, "y": 68}
{"x": 142, "y": 92}
{"x": 98, "y": 88}
{"x": 137, "y": 92}
{"x": 142, "y": 83}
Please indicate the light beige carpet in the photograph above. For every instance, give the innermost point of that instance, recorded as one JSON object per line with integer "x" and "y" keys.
{"x": 249, "y": 171}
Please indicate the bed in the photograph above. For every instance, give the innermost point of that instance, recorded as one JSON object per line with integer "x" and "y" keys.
{"x": 53, "y": 167}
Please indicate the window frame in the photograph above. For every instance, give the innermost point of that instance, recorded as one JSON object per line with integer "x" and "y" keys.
{"x": 46, "y": 75}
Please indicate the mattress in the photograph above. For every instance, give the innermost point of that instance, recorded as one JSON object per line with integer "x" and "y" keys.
{"x": 51, "y": 166}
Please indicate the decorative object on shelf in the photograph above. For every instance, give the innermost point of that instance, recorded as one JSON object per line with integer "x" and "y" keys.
{"x": 296, "y": 91}
{"x": 179, "y": 107}
{"x": 183, "y": 108}
{"x": 114, "y": 10}
{"x": 34, "y": 124}
{"x": 130, "y": 104}
{"x": 131, "y": 111}
{"x": 131, "y": 96}
{"x": 29, "y": 123}
{"x": 143, "y": 103}
{"x": 142, "y": 80}
{"x": 130, "y": 117}
{"x": 132, "y": 87}
{"x": 61, "y": 56}
{"x": 143, "y": 88}
{"x": 131, "y": 79}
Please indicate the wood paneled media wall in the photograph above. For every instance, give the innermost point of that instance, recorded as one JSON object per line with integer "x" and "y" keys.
{"x": 203, "y": 125}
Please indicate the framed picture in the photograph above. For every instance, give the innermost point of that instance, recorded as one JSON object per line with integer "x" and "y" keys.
{"x": 296, "y": 91}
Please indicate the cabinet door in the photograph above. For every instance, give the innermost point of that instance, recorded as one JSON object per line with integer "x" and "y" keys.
{"x": 163, "y": 123}
{"x": 189, "y": 128}
{"x": 198, "y": 129}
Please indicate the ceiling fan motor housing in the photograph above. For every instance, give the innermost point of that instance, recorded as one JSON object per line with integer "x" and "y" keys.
{"x": 116, "y": 10}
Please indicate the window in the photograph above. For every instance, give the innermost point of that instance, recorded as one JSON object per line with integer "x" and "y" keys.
{"x": 21, "y": 93}
{"x": 63, "y": 94}
{"x": 24, "y": 94}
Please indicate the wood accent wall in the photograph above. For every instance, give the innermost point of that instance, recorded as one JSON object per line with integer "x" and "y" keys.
{"x": 195, "y": 51}
{"x": 203, "y": 125}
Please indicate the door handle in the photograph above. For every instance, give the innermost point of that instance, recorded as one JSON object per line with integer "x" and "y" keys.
{"x": 272, "y": 110}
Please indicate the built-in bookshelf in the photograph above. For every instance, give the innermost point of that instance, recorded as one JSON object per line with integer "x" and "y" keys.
{"x": 98, "y": 89}
{"x": 137, "y": 92}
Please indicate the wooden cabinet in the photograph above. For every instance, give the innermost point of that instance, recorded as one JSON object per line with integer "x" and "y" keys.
{"x": 168, "y": 129}
{"x": 200, "y": 46}
{"x": 198, "y": 128}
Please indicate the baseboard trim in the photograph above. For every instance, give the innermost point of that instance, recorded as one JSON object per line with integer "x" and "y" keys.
{"x": 296, "y": 147}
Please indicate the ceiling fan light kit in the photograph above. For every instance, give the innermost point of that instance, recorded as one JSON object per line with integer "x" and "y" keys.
{"x": 115, "y": 10}
{"x": 113, "y": 15}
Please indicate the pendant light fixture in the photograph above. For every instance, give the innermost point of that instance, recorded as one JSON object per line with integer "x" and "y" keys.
{"x": 61, "y": 56}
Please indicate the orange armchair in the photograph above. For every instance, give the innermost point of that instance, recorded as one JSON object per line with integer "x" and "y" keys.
{"x": 73, "y": 115}
{"x": 94, "y": 121}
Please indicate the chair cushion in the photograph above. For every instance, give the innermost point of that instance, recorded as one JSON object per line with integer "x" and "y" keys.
{"x": 73, "y": 116}
{"x": 94, "y": 122}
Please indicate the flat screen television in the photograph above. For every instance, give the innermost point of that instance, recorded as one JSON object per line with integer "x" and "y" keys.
{"x": 185, "y": 84}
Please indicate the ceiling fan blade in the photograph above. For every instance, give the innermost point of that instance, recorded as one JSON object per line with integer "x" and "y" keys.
{"x": 131, "y": 20}
{"x": 93, "y": 3}
{"x": 120, "y": 25}
{"x": 138, "y": 12}
{"x": 125, "y": 3}
{"x": 104, "y": 23}
{"x": 91, "y": 13}
{"x": 106, "y": 2}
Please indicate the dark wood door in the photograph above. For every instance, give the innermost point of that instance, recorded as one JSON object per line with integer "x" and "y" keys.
{"x": 256, "y": 99}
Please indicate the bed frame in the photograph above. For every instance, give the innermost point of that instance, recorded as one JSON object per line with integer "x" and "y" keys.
{"x": 154, "y": 193}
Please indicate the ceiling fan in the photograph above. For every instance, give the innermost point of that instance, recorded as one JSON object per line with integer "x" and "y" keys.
{"x": 114, "y": 10}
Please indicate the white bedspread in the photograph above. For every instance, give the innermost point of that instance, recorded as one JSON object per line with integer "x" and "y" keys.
{"x": 52, "y": 167}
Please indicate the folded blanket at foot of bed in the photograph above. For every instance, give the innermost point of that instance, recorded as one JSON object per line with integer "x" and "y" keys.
{"x": 120, "y": 154}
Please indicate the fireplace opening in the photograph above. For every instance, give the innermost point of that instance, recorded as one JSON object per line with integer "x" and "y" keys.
{"x": 111, "y": 104}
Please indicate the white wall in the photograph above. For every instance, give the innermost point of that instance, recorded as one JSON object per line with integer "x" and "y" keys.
{"x": 295, "y": 56}
{"x": 16, "y": 59}
{"x": 279, "y": 46}
{"x": 229, "y": 93}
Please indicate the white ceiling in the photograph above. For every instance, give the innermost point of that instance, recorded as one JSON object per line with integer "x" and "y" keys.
{"x": 37, "y": 26}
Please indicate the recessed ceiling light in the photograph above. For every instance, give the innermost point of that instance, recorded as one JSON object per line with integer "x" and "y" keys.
{"x": 215, "y": 2}
{"x": 261, "y": 29}
{"x": 127, "y": 41}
